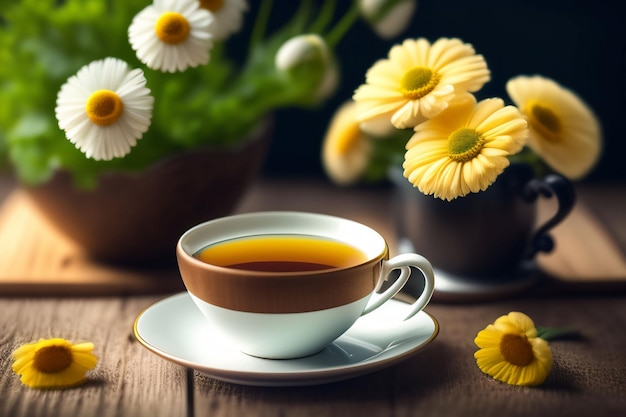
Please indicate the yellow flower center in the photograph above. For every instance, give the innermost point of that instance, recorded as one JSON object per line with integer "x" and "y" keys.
{"x": 545, "y": 120}
{"x": 104, "y": 107}
{"x": 516, "y": 349}
{"x": 212, "y": 5}
{"x": 418, "y": 82}
{"x": 464, "y": 144}
{"x": 52, "y": 359}
{"x": 172, "y": 28}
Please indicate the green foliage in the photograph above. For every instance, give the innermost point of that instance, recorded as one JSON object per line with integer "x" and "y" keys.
{"x": 387, "y": 152}
{"x": 43, "y": 42}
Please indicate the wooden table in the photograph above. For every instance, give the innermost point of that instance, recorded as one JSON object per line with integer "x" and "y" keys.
{"x": 588, "y": 376}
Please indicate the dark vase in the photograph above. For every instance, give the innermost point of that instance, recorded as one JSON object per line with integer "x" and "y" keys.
{"x": 137, "y": 218}
{"x": 490, "y": 237}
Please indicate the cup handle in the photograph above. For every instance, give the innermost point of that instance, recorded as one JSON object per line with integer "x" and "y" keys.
{"x": 563, "y": 190}
{"x": 403, "y": 262}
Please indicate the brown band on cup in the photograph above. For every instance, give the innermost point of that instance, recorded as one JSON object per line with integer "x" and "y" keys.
{"x": 261, "y": 292}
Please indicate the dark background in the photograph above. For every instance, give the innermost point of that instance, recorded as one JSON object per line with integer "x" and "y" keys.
{"x": 579, "y": 44}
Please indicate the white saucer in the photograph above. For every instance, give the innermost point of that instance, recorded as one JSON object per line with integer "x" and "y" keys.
{"x": 454, "y": 288}
{"x": 451, "y": 287}
{"x": 176, "y": 330}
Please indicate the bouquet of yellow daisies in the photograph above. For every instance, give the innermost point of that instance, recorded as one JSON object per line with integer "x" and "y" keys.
{"x": 419, "y": 109}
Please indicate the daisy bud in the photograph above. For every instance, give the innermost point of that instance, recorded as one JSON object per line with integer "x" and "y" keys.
{"x": 388, "y": 18}
{"x": 302, "y": 51}
{"x": 329, "y": 83}
{"x": 306, "y": 60}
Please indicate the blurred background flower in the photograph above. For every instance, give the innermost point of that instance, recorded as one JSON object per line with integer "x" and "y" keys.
{"x": 565, "y": 132}
{"x": 347, "y": 150}
{"x": 388, "y": 18}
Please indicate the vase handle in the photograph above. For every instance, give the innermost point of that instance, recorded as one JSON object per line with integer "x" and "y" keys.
{"x": 563, "y": 190}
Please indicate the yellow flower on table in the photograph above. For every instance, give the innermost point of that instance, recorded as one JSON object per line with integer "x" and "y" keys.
{"x": 511, "y": 352}
{"x": 564, "y": 131}
{"x": 54, "y": 363}
{"x": 465, "y": 148}
{"x": 418, "y": 80}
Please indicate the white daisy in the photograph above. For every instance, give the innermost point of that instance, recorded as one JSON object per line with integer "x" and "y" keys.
{"x": 105, "y": 108}
{"x": 228, "y": 16}
{"x": 172, "y": 35}
{"x": 388, "y": 18}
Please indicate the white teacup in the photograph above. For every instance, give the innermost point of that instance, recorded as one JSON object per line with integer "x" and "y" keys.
{"x": 290, "y": 313}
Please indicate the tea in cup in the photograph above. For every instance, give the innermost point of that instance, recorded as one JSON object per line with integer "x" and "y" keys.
{"x": 282, "y": 285}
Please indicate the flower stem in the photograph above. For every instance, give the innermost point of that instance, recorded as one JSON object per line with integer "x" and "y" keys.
{"x": 551, "y": 333}
{"x": 260, "y": 24}
{"x": 324, "y": 17}
{"x": 346, "y": 22}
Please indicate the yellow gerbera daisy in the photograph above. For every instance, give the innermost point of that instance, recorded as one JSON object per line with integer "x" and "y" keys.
{"x": 228, "y": 16}
{"x": 418, "y": 80}
{"x": 172, "y": 35}
{"x": 346, "y": 149}
{"x": 511, "y": 352}
{"x": 465, "y": 148}
{"x": 53, "y": 363}
{"x": 564, "y": 131}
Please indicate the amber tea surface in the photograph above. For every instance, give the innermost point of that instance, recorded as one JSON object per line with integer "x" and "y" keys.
{"x": 282, "y": 253}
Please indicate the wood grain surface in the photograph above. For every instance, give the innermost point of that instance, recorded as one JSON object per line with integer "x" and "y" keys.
{"x": 126, "y": 382}
{"x": 442, "y": 380}
{"x": 37, "y": 259}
